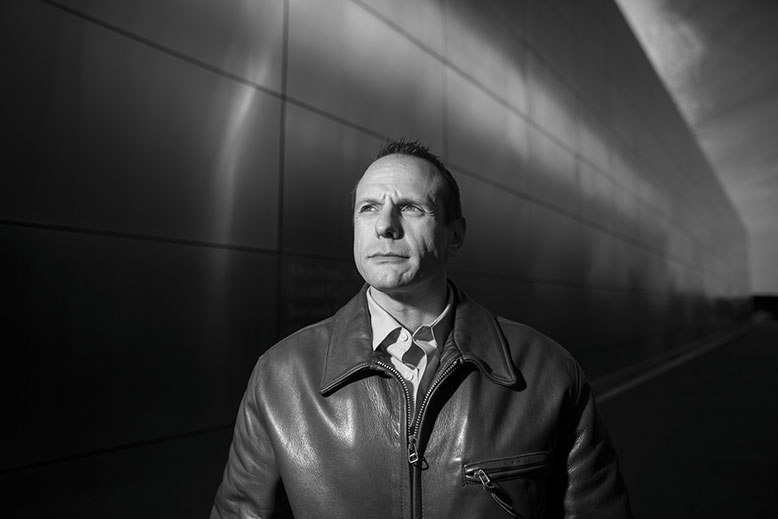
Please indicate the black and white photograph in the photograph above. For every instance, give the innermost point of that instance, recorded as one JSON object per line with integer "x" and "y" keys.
{"x": 391, "y": 259}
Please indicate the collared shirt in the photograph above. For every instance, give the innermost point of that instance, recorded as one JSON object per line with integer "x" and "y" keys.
{"x": 396, "y": 340}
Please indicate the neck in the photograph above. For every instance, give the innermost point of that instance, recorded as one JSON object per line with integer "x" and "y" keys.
{"x": 417, "y": 307}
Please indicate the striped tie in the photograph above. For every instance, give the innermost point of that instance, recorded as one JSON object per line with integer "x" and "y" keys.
{"x": 413, "y": 356}
{"x": 415, "y": 353}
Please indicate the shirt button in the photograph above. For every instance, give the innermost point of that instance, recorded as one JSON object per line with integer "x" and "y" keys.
{"x": 409, "y": 376}
{"x": 403, "y": 336}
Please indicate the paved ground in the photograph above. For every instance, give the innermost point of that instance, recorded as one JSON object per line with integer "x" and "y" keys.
{"x": 701, "y": 440}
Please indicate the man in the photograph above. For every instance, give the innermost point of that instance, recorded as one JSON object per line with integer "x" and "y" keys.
{"x": 413, "y": 400}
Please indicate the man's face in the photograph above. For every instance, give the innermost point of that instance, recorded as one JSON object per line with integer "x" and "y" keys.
{"x": 401, "y": 242}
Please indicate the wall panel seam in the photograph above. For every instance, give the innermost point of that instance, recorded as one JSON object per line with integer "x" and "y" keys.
{"x": 569, "y": 214}
{"x": 163, "y": 48}
{"x": 86, "y": 231}
{"x": 117, "y": 448}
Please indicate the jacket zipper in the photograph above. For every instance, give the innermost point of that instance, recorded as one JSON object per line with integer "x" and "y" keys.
{"x": 501, "y": 471}
{"x": 414, "y": 425}
{"x": 414, "y": 459}
{"x": 413, "y": 431}
{"x": 393, "y": 371}
{"x": 494, "y": 491}
{"x": 489, "y": 472}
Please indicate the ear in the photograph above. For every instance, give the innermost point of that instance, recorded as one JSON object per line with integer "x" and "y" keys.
{"x": 456, "y": 229}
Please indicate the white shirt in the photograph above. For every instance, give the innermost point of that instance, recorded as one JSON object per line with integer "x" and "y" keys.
{"x": 397, "y": 339}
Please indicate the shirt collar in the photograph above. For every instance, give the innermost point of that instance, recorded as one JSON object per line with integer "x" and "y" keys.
{"x": 476, "y": 337}
{"x": 382, "y": 322}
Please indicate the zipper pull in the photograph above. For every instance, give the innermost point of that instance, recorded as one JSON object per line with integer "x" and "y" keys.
{"x": 484, "y": 478}
{"x": 413, "y": 454}
{"x": 494, "y": 491}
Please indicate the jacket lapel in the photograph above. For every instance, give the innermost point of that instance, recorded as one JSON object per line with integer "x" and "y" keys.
{"x": 476, "y": 336}
{"x": 350, "y": 346}
{"x": 480, "y": 340}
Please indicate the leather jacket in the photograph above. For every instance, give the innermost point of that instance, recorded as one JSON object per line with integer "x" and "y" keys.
{"x": 508, "y": 428}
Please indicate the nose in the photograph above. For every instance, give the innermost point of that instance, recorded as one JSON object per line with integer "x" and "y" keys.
{"x": 387, "y": 224}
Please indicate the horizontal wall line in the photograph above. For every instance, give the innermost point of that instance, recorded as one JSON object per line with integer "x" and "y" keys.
{"x": 117, "y": 448}
{"x": 135, "y": 236}
{"x": 162, "y": 48}
{"x": 288, "y": 253}
{"x": 368, "y": 131}
{"x": 572, "y": 215}
{"x": 530, "y": 121}
{"x": 211, "y": 68}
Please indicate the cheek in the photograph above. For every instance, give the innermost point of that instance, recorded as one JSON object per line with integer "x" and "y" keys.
{"x": 359, "y": 235}
{"x": 432, "y": 244}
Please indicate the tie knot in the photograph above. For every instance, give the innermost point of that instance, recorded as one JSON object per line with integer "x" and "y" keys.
{"x": 413, "y": 356}
{"x": 424, "y": 334}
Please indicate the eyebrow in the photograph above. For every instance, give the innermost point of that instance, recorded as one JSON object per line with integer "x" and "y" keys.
{"x": 368, "y": 199}
{"x": 426, "y": 202}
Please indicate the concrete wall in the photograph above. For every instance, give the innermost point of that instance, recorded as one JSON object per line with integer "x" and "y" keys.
{"x": 175, "y": 197}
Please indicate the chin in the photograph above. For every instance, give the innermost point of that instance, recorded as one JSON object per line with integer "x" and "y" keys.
{"x": 386, "y": 283}
{"x": 384, "y": 276}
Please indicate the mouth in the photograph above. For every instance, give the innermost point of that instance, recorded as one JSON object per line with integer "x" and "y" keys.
{"x": 387, "y": 256}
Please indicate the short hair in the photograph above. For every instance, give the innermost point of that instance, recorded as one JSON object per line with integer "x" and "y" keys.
{"x": 452, "y": 203}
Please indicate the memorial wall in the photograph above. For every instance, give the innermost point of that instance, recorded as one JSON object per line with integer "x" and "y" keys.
{"x": 175, "y": 197}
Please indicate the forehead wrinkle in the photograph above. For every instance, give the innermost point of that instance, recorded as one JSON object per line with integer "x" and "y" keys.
{"x": 398, "y": 192}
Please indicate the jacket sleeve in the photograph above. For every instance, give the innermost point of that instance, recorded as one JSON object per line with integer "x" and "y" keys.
{"x": 594, "y": 487}
{"x": 248, "y": 487}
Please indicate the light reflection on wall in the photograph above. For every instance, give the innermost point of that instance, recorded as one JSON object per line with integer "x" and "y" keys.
{"x": 227, "y": 164}
{"x": 592, "y": 216}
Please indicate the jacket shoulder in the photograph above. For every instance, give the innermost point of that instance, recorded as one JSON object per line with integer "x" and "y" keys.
{"x": 534, "y": 351}
{"x": 301, "y": 343}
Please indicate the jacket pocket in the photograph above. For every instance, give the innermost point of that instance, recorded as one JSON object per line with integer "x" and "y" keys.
{"x": 489, "y": 474}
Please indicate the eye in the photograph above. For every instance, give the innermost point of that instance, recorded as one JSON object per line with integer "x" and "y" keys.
{"x": 366, "y": 208}
{"x": 410, "y": 208}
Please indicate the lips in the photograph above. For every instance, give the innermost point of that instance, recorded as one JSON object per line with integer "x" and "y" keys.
{"x": 387, "y": 255}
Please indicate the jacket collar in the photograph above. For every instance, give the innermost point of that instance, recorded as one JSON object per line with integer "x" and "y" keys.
{"x": 476, "y": 338}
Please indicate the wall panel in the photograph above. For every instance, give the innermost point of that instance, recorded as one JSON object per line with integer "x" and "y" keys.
{"x": 423, "y": 21}
{"x": 345, "y": 61}
{"x": 322, "y": 166}
{"x": 555, "y": 246}
{"x": 597, "y": 192}
{"x": 605, "y": 347}
{"x": 552, "y": 172}
{"x": 553, "y": 105}
{"x": 314, "y": 289}
{"x": 558, "y": 306}
{"x": 195, "y": 155}
{"x": 483, "y": 136}
{"x": 605, "y": 260}
{"x": 150, "y": 339}
{"x": 244, "y": 40}
{"x": 167, "y": 479}
{"x": 496, "y": 241}
{"x": 482, "y": 45}
{"x": 508, "y": 296}
{"x": 550, "y": 34}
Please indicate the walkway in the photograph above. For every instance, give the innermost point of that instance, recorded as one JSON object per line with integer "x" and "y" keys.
{"x": 701, "y": 440}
